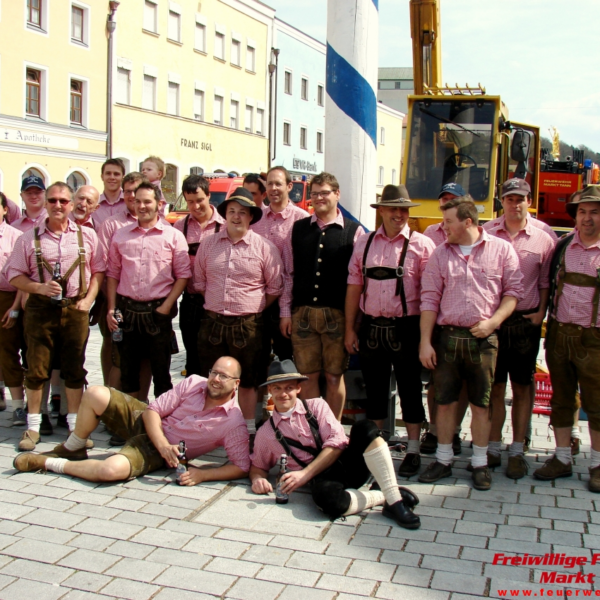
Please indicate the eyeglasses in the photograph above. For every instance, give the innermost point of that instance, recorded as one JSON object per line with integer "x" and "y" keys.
{"x": 63, "y": 201}
{"x": 221, "y": 376}
{"x": 323, "y": 194}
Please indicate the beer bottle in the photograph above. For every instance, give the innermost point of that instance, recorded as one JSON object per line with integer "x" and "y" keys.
{"x": 117, "y": 334}
{"x": 281, "y": 497}
{"x": 182, "y": 467}
{"x": 57, "y": 277}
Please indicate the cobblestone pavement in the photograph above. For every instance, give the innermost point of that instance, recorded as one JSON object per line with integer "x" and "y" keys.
{"x": 63, "y": 538}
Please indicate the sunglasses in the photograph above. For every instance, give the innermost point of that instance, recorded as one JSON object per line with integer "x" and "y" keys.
{"x": 63, "y": 201}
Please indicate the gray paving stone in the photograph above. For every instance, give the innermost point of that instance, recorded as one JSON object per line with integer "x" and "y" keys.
{"x": 371, "y": 570}
{"x": 381, "y": 543}
{"x": 392, "y": 591}
{"x": 287, "y": 576}
{"x": 478, "y": 554}
{"x": 358, "y": 552}
{"x": 516, "y": 521}
{"x": 564, "y": 514}
{"x": 6, "y": 580}
{"x": 24, "y": 569}
{"x": 321, "y": 563}
{"x": 375, "y": 530}
{"x": 195, "y": 581}
{"x": 136, "y": 518}
{"x": 58, "y": 520}
{"x": 492, "y": 519}
{"x": 452, "y": 565}
{"x": 422, "y": 535}
{"x": 249, "y": 537}
{"x": 267, "y": 555}
{"x": 91, "y": 542}
{"x": 175, "y": 594}
{"x": 35, "y": 550}
{"x": 506, "y": 572}
{"x": 456, "y": 539}
{"x": 56, "y": 536}
{"x": 591, "y": 541}
{"x": 215, "y": 547}
{"x": 230, "y": 566}
{"x": 162, "y": 538}
{"x": 44, "y": 490}
{"x": 458, "y": 582}
{"x": 9, "y": 497}
{"x": 409, "y": 576}
{"x": 88, "y": 560}
{"x": 72, "y": 484}
{"x": 339, "y": 535}
{"x": 433, "y": 549}
{"x": 539, "y": 500}
{"x": 522, "y": 510}
{"x": 119, "y": 531}
{"x": 564, "y": 538}
{"x": 12, "y": 512}
{"x": 480, "y": 506}
{"x": 53, "y": 504}
{"x": 189, "y": 528}
{"x": 126, "y": 504}
{"x": 163, "y": 510}
{"x": 11, "y": 527}
{"x": 292, "y": 592}
{"x": 525, "y": 534}
{"x": 177, "y": 558}
{"x": 129, "y": 549}
{"x": 81, "y": 595}
{"x": 25, "y": 588}
{"x": 139, "y": 570}
{"x": 400, "y": 558}
{"x": 144, "y": 496}
{"x": 87, "y": 498}
{"x": 352, "y": 585}
{"x": 180, "y": 502}
{"x": 475, "y": 528}
{"x": 130, "y": 590}
{"x": 494, "y": 495}
{"x": 294, "y": 543}
{"x": 443, "y": 514}
{"x": 87, "y": 582}
{"x": 576, "y": 503}
{"x": 251, "y": 589}
{"x": 98, "y": 512}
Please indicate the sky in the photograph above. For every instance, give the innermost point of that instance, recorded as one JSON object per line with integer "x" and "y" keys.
{"x": 541, "y": 56}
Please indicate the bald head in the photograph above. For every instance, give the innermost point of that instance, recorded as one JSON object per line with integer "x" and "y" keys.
{"x": 223, "y": 379}
{"x": 229, "y": 365}
{"x": 85, "y": 201}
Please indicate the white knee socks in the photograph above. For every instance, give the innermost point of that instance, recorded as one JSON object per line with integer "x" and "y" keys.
{"x": 360, "y": 501}
{"x": 379, "y": 461}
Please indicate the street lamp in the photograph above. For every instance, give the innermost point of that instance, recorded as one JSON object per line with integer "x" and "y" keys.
{"x": 273, "y": 112}
{"x": 111, "y": 25}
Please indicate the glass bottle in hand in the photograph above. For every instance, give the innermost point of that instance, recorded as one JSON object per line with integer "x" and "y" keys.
{"x": 182, "y": 467}
{"x": 280, "y": 496}
{"x": 57, "y": 277}
{"x": 117, "y": 334}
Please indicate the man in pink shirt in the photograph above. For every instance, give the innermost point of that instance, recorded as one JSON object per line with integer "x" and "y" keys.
{"x": 573, "y": 337}
{"x": 448, "y": 192}
{"x": 318, "y": 451}
{"x": 519, "y": 336}
{"x": 85, "y": 204}
{"x": 239, "y": 273}
{"x": 32, "y": 194}
{"x": 384, "y": 282}
{"x": 471, "y": 284}
{"x": 148, "y": 267}
{"x": 14, "y": 212}
{"x": 111, "y": 199}
{"x": 202, "y": 220}
{"x": 256, "y": 184}
{"x": 276, "y": 226}
{"x": 201, "y": 412}
{"x": 57, "y": 311}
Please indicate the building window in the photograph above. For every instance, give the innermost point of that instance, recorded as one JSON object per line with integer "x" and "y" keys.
{"x": 34, "y": 13}
{"x": 150, "y": 16}
{"x": 287, "y": 134}
{"x": 394, "y": 175}
{"x": 303, "y": 138}
{"x": 304, "y": 89}
{"x": 250, "y": 58}
{"x": 200, "y": 38}
{"x": 234, "y": 114}
{"x": 287, "y": 82}
{"x": 174, "y": 28}
{"x": 76, "y": 180}
{"x": 199, "y": 105}
{"x": 220, "y": 46}
{"x": 319, "y": 141}
{"x": 320, "y": 95}
{"x": 248, "y": 118}
{"x": 260, "y": 120}
{"x": 32, "y": 171}
{"x": 196, "y": 170}
{"x": 123, "y": 95}
{"x": 76, "y": 102}
{"x": 218, "y": 110}
{"x": 173, "y": 98}
{"x": 77, "y": 24}
{"x": 236, "y": 52}
{"x": 380, "y": 178}
{"x": 33, "y": 95}
{"x": 149, "y": 93}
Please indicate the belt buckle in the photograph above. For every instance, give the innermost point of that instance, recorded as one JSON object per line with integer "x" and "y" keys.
{"x": 399, "y": 271}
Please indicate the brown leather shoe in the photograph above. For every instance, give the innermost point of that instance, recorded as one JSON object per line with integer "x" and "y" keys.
{"x": 434, "y": 472}
{"x": 517, "y": 467}
{"x": 429, "y": 443}
{"x": 410, "y": 465}
{"x": 594, "y": 483}
{"x": 553, "y": 469}
{"x": 28, "y": 440}
{"x": 30, "y": 461}
{"x": 61, "y": 452}
{"x": 493, "y": 462}
{"x": 482, "y": 479}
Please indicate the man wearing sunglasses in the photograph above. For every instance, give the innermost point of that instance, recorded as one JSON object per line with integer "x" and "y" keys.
{"x": 202, "y": 412}
{"x": 60, "y": 265}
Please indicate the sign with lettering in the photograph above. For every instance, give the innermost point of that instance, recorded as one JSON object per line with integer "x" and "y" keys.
{"x": 305, "y": 165}
{"x": 196, "y": 145}
{"x": 34, "y": 138}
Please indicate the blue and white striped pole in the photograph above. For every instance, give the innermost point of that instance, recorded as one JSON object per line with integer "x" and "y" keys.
{"x": 351, "y": 109}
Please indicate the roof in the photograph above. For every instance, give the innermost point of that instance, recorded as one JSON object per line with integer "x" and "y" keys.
{"x": 395, "y": 73}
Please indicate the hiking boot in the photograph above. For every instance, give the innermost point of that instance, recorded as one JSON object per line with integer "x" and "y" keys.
{"x": 401, "y": 514}
{"x": 517, "y": 467}
{"x": 434, "y": 472}
{"x": 31, "y": 461}
{"x": 28, "y": 440}
{"x": 482, "y": 478}
{"x": 553, "y": 469}
{"x": 493, "y": 460}
{"x": 575, "y": 446}
{"x": 46, "y": 426}
{"x": 594, "y": 483}
{"x": 61, "y": 421}
{"x": 456, "y": 444}
{"x": 429, "y": 443}
{"x": 410, "y": 465}
{"x": 19, "y": 417}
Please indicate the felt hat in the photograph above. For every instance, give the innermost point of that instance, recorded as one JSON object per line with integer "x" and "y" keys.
{"x": 393, "y": 196}
{"x": 244, "y": 197}
{"x": 589, "y": 194}
{"x": 284, "y": 370}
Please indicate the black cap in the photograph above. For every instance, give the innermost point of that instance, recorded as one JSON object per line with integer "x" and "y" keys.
{"x": 32, "y": 181}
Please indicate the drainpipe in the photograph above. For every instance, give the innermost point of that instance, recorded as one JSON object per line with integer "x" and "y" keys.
{"x": 111, "y": 24}
{"x": 273, "y": 115}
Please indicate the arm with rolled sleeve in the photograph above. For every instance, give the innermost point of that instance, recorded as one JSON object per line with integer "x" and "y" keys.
{"x": 199, "y": 274}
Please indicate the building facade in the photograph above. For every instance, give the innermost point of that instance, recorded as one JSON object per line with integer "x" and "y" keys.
{"x": 191, "y": 86}
{"x": 298, "y": 111}
{"x": 53, "y": 89}
{"x": 394, "y": 85}
{"x": 389, "y": 146}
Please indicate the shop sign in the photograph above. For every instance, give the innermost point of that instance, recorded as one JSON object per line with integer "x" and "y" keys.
{"x": 196, "y": 144}
{"x": 304, "y": 165}
{"x": 35, "y": 138}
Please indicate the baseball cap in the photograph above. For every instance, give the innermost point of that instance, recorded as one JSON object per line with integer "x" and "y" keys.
{"x": 32, "y": 181}
{"x": 515, "y": 186}
{"x": 452, "y": 188}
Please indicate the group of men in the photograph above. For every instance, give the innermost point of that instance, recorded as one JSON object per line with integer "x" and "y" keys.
{"x": 463, "y": 301}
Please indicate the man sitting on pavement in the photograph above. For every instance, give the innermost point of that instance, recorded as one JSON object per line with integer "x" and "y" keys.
{"x": 203, "y": 412}
{"x": 319, "y": 451}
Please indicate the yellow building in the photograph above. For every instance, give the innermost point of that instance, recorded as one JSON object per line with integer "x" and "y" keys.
{"x": 52, "y": 91}
{"x": 191, "y": 86}
{"x": 389, "y": 146}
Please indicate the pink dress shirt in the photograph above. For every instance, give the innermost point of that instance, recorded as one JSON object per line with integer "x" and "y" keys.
{"x": 14, "y": 212}
{"x": 575, "y": 303}
{"x": 465, "y": 290}
{"x": 8, "y": 239}
{"x": 267, "y": 450}
{"x": 24, "y": 223}
{"x": 62, "y": 248}
{"x": 195, "y": 233}
{"x": 385, "y": 252}
{"x": 106, "y": 209}
{"x": 235, "y": 277}
{"x": 184, "y": 418}
{"x": 147, "y": 262}
{"x": 108, "y": 228}
{"x": 535, "y": 222}
{"x": 436, "y": 233}
{"x": 534, "y": 248}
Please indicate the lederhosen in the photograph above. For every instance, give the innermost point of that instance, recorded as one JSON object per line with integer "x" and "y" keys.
{"x": 384, "y": 342}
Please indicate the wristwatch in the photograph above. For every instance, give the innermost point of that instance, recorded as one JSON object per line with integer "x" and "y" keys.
{"x": 13, "y": 314}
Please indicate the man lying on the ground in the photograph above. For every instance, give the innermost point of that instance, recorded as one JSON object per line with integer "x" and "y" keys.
{"x": 203, "y": 412}
{"x": 319, "y": 451}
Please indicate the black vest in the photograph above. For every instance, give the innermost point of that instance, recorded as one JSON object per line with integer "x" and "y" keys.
{"x": 321, "y": 263}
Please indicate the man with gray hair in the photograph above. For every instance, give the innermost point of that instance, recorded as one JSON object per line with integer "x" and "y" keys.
{"x": 85, "y": 203}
